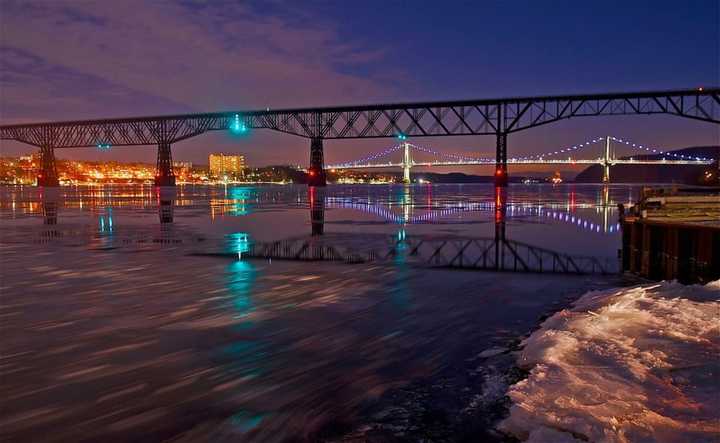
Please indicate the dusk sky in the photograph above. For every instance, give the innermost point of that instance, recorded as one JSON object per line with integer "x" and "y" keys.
{"x": 91, "y": 59}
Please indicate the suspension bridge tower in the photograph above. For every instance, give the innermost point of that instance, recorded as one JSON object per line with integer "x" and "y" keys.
{"x": 607, "y": 160}
{"x": 407, "y": 162}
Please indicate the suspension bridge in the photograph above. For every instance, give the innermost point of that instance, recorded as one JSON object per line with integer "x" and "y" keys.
{"x": 555, "y": 157}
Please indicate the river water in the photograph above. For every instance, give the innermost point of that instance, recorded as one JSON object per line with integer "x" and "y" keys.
{"x": 127, "y": 316}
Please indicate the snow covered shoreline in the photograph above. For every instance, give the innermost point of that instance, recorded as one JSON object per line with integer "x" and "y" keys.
{"x": 636, "y": 364}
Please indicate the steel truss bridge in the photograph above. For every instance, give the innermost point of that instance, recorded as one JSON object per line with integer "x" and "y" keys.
{"x": 497, "y": 117}
{"x": 607, "y": 160}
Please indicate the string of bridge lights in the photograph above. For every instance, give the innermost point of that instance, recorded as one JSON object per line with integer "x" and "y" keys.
{"x": 453, "y": 156}
{"x": 569, "y": 149}
{"x": 656, "y": 150}
{"x": 374, "y": 156}
{"x": 560, "y": 151}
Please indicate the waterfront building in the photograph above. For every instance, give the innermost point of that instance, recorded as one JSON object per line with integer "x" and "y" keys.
{"x": 223, "y": 165}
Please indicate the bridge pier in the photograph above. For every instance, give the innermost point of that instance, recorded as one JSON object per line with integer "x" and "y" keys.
{"x": 407, "y": 163}
{"x": 48, "y": 170}
{"x": 606, "y": 161}
{"x": 316, "y": 172}
{"x": 166, "y": 203}
{"x": 500, "y": 214}
{"x": 164, "y": 175}
{"x": 606, "y": 173}
{"x": 316, "y": 196}
{"x": 501, "y": 172}
{"x": 50, "y": 198}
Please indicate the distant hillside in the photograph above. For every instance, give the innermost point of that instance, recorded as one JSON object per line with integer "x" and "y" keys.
{"x": 686, "y": 174}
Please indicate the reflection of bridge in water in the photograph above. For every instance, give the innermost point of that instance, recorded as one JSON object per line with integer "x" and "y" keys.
{"x": 497, "y": 253}
{"x": 550, "y": 211}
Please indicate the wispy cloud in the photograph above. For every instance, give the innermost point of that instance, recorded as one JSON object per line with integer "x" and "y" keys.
{"x": 63, "y": 59}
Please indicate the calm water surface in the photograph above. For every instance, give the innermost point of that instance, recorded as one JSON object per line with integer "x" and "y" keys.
{"x": 116, "y": 327}
{"x": 575, "y": 219}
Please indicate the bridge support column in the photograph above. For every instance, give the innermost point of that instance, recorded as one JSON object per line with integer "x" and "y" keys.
{"x": 50, "y": 198}
{"x": 606, "y": 173}
{"x": 606, "y": 161}
{"x": 407, "y": 163}
{"x": 316, "y": 172}
{"x": 48, "y": 170}
{"x": 500, "y": 214}
{"x": 316, "y": 196}
{"x": 501, "y": 172}
{"x": 164, "y": 175}
{"x": 166, "y": 203}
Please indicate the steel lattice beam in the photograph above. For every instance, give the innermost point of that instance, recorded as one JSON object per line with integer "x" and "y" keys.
{"x": 464, "y": 117}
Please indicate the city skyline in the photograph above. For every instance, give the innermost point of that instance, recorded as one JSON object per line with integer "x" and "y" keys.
{"x": 338, "y": 63}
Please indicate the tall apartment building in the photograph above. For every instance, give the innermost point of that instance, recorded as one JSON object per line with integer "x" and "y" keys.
{"x": 222, "y": 165}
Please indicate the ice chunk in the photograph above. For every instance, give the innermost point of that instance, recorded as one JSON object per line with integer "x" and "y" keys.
{"x": 625, "y": 365}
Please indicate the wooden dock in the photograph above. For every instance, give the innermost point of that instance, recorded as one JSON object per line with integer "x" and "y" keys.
{"x": 673, "y": 234}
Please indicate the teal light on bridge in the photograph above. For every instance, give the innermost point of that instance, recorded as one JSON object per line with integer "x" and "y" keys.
{"x": 402, "y": 136}
{"x": 104, "y": 146}
{"x": 237, "y": 126}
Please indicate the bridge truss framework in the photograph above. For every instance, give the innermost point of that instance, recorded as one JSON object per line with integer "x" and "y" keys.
{"x": 498, "y": 117}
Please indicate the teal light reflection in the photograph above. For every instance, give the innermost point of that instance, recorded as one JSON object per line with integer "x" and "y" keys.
{"x": 242, "y": 199}
{"x": 105, "y": 222}
{"x": 238, "y": 242}
{"x": 241, "y": 277}
{"x": 247, "y": 354}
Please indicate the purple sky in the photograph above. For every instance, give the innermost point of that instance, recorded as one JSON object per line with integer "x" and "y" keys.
{"x": 91, "y": 59}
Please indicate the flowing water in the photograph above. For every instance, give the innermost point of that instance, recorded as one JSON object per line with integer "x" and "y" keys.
{"x": 119, "y": 323}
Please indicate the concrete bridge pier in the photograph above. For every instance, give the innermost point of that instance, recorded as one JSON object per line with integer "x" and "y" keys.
{"x": 606, "y": 161}
{"x": 316, "y": 172}
{"x": 48, "y": 176}
{"x": 501, "y": 171}
{"x": 500, "y": 214}
{"x": 316, "y": 196}
{"x": 50, "y": 198}
{"x": 407, "y": 163}
{"x": 164, "y": 175}
{"x": 166, "y": 203}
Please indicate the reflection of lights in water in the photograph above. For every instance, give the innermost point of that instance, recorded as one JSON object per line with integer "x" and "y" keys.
{"x": 106, "y": 221}
{"x": 239, "y": 242}
{"x": 241, "y": 277}
{"x": 237, "y": 201}
{"x": 542, "y": 210}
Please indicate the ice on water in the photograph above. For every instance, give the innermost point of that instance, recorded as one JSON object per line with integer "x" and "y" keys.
{"x": 638, "y": 364}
